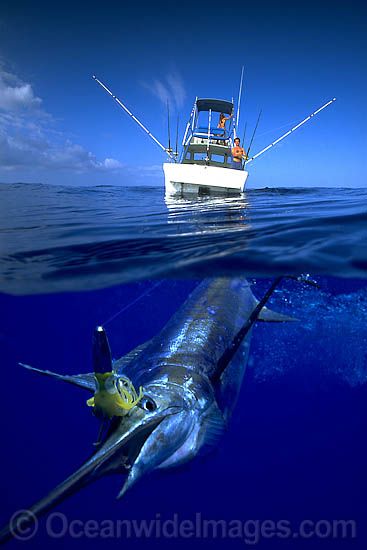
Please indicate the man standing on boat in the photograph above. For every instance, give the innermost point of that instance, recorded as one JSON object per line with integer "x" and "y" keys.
{"x": 238, "y": 154}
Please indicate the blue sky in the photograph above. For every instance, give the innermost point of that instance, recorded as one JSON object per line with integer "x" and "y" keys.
{"x": 58, "y": 126}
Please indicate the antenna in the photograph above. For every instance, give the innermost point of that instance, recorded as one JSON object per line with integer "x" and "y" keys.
{"x": 239, "y": 99}
{"x": 133, "y": 117}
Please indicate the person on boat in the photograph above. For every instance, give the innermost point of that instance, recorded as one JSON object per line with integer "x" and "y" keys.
{"x": 238, "y": 154}
{"x": 222, "y": 121}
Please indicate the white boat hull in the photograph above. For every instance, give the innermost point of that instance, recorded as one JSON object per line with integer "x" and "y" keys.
{"x": 201, "y": 179}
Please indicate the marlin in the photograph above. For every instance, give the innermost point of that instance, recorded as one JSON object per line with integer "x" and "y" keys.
{"x": 189, "y": 377}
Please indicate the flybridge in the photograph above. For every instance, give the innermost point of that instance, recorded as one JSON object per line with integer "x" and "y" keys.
{"x": 206, "y": 164}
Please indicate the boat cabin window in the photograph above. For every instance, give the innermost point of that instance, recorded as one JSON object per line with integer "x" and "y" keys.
{"x": 215, "y": 159}
{"x": 200, "y": 156}
{"x": 218, "y": 158}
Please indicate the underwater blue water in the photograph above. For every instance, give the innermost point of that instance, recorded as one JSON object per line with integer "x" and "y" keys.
{"x": 295, "y": 450}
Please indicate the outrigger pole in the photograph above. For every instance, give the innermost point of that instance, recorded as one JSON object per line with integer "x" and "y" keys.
{"x": 291, "y": 130}
{"x": 134, "y": 118}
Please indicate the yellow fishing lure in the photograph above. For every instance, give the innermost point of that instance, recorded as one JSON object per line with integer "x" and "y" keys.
{"x": 114, "y": 396}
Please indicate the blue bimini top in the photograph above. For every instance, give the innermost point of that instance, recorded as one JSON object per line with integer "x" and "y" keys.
{"x": 216, "y": 105}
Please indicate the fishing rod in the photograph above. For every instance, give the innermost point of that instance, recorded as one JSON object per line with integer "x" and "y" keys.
{"x": 169, "y": 150}
{"x": 254, "y": 132}
{"x": 177, "y": 126}
{"x": 244, "y": 135}
{"x": 133, "y": 117}
{"x": 291, "y": 130}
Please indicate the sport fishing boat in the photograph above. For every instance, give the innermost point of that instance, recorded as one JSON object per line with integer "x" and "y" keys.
{"x": 205, "y": 164}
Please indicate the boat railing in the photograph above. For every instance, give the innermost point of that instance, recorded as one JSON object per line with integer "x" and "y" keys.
{"x": 198, "y": 142}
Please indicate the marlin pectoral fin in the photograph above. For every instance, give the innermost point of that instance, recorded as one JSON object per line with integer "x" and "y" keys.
{"x": 86, "y": 381}
{"x": 273, "y": 316}
{"x": 212, "y": 430}
{"x": 126, "y": 486}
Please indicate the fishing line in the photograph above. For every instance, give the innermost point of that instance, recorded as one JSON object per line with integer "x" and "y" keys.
{"x": 124, "y": 308}
{"x": 277, "y": 128}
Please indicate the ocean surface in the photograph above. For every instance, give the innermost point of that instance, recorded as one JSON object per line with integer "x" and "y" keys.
{"x": 66, "y": 238}
{"x": 295, "y": 451}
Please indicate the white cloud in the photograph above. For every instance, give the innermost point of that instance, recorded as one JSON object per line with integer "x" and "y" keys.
{"x": 169, "y": 88}
{"x": 16, "y": 95}
{"x": 112, "y": 164}
{"x": 27, "y": 137}
{"x": 177, "y": 87}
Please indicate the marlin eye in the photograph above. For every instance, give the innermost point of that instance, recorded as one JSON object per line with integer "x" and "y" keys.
{"x": 148, "y": 404}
